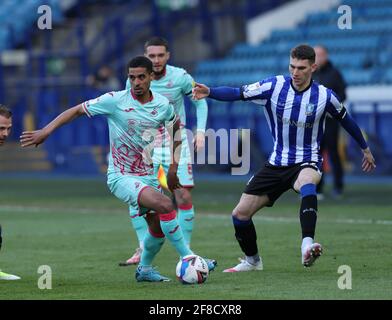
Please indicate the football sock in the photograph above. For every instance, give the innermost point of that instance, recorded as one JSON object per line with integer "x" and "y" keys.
{"x": 152, "y": 244}
{"x": 140, "y": 226}
{"x": 253, "y": 260}
{"x": 308, "y": 210}
{"x": 186, "y": 216}
{"x": 245, "y": 234}
{"x": 173, "y": 232}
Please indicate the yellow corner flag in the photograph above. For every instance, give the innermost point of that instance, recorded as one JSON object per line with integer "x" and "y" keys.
{"x": 162, "y": 178}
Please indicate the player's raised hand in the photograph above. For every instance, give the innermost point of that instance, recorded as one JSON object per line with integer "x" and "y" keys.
{"x": 200, "y": 91}
{"x": 30, "y": 138}
{"x": 199, "y": 141}
{"x": 172, "y": 179}
{"x": 368, "y": 162}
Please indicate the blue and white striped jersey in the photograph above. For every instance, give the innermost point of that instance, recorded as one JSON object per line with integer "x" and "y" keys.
{"x": 296, "y": 119}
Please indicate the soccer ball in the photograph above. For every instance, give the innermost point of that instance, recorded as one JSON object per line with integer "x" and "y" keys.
{"x": 192, "y": 269}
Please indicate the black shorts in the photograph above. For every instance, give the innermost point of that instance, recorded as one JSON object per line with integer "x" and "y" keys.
{"x": 273, "y": 181}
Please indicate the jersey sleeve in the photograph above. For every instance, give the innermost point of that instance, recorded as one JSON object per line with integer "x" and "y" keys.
{"x": 187, "y": 83}
{"x": 201, "y": 105}
{"x": 334, "y": 106}
{"x": 168, "y": 115}
{"x": 103, "y": 105}
{"x": 260, "y": 90}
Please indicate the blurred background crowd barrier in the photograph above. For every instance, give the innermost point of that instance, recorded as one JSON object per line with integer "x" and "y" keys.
{"x": 86, "y": 45}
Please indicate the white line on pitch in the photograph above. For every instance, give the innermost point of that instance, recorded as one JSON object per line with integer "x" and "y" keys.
{"x": 220, "y": 216}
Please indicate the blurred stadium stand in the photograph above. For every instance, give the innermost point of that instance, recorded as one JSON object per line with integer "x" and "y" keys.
{"x": 42, "y": 72}
{"x": 362, "y": 54}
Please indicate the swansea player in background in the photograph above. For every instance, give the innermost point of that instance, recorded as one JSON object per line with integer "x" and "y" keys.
{"x": 295, "y": 107}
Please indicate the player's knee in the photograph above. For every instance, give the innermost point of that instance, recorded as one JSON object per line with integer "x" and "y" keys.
{"x": 165, "y": 205}
{"x": 306, "y": 182}
{"x": 184, "y": 197}
{"x": 308, "y": 179}
{"x": 241, "y": 214}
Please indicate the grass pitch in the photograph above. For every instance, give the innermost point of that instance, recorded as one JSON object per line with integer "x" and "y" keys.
{"x": 81, "y": 231}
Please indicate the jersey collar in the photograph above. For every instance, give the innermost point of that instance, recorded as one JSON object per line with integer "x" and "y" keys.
{"x": 135, "y": 97}
{"x": 303, "y": 90}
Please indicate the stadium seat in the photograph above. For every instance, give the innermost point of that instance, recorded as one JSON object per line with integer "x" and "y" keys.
{"x": 24, "y": 15}
{"x": 388, "y": 76}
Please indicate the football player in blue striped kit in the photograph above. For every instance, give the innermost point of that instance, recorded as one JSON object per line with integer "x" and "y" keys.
{"x": 295, "y": 107}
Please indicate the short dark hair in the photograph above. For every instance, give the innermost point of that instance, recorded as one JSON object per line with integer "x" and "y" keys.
{"x": 5, "y": 112}
{"x": 156, "y": 41}
{"x": 140, "y": 61}
{"x": 303, "y": 52}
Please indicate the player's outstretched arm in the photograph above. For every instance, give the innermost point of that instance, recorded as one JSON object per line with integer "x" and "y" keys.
{"x": 218, "y": 93}
{"x": 35, "y": 138}
{"x": 201, "y": 117}
{"x": 368, "y": 162}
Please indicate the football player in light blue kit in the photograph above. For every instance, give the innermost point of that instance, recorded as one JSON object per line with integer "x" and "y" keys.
{"x": 174, "y": 83}
{"x": 133, "y": 117}
{"x": 5, "y": 130}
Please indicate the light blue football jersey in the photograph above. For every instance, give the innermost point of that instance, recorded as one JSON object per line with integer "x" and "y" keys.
{"x": 174, "y": 85}
{"x": 133, "y": 127}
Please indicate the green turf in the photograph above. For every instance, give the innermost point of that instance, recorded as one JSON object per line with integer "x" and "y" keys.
{"x": 81, "y": 231}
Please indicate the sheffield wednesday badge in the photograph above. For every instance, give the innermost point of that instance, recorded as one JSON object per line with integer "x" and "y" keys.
{"x": 309, "y": 109}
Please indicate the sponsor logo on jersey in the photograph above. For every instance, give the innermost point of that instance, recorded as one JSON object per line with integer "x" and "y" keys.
{"x": 252, "y": 90}
{"x": 295, "y": 123}
{"x": 129, "y": 109}
{"x": 169, "y": 84}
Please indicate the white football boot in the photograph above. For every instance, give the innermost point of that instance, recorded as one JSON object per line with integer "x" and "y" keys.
{"x": 7, "y": 276}
{"x": 311, "y": 253}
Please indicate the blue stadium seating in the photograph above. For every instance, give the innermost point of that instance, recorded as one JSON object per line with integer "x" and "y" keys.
{"x": 363, "y": 54}
{"x": 18, "y": 16}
